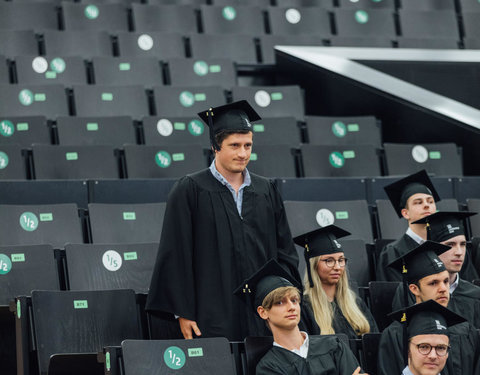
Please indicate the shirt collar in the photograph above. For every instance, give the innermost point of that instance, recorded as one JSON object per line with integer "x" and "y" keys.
{"x": 303, "y": 350}
{"x": 246, "y": 176}
{"x": 454, "y": 285}
{"x": 415, "y": 236}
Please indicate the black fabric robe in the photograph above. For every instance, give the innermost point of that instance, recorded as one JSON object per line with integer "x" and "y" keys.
{"x": 327, "y": 355}
{"x": 391, "y": 252}
{"x": 462, "y": 358}
{"x": 340, "y": 323}
{"x": 207, "y": 250}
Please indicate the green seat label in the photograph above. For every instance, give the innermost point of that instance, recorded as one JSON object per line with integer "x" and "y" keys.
{"x": 178, "y": 156}
{"x": 178, "y": 125}
{"x": 186, "y": 99}
{"x": 341, "y": 215}
{"x": 25, "y": 97}
{"x": 22, "y": 126}
{"x": 258, "y": 128}
{"x": 18, "y": 257}
{"x": 80, "y": 304}
{"x": 71, "y": 156}
{"x": 195, "y": 352}
{"x": 361, "y": 16}
{"x": 350, "y": 154}
{"x": 253, "y": 156}
{"x": 129, "y": 216}
{"x": 195, "y": 127}
{"x": 91, "y": 12}
{"x": 229, "y": 13}
{"x": 46, "y": 216}
{"x": 124, "y": 67}
{"x": 130, "y": 256}
{"x": 336, "y": 159}
{"x": 3, "y": 160}
{"x": 29, "y": 221}
{"x": 5, "y": 264}
{"x": 92, "y": 126}
{"x": 7, "y": 128}
{"x": 58, "y": 65}
{"x": 339, "y": 129}
{"x": 200, "y": 68}
{"x": 163, "y": 159}
{"x": 174, "y": 357}
{"x": 435, "y": 155}
{"x": 107, "y": 96}
{"x": 353, "y": 128}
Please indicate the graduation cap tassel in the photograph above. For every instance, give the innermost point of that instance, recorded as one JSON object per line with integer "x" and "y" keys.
{"x": 405, "y": 301}
{"x": 307, "y": 261}
{"x": 214, "y": 144}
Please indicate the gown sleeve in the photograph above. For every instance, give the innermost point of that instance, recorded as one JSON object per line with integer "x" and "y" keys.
{"x": 390, "y": 357}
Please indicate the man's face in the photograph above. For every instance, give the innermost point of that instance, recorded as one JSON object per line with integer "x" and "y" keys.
{"x": 284, "y": 315}
{"x": 234, "y": 153}
{"x": 434, "y": 287}
{"x": 418, "y": 206}
{"x": 426, "y": 364}
{"x": 454, "y": 258}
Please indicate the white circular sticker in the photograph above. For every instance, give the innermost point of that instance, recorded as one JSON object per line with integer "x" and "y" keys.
{"x": 262, "y": 98}
{"x": 112, "y": 260}
{"x": 164, "y": 127}
{"x": 419, "y": 154}
{"x": 40, "y": 64}
{"x": 145, "y": 42}
{"x": 354, "y": 1}
{"x": 293, "y": 15}
{"x": 325, "y": 217}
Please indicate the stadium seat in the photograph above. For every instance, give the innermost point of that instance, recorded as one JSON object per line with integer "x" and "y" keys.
{"x": 255, "y": 349}
{"x": 239, "y": 48}
{"x": 473, "y": 204}
{"x": 276, "y": 131}
{"x": 163, "y": 161}
{"x": 367, "y": 4}
{"x": 273, "y": 101}
{"x": 327, "y": 4}
{"x": 186, "y": 100}
{"x": 194, "y": 72}
{"x": 17, "y": 15}
{"x": 340, "y": 161}
{"x": 381, "y": 298}
{"x": 12, "y": 162}
{"x": 164, "y": 18}
{"x": 24, "y": 130}
{"x": 66, "y": 70}
{"x": 370, "y": 344}
{"x": 110, "y": 266}
{"x": 86, "y": 43}
{"x": 433, "y": 43}
{"x": 95, "y": 16}
{"x": 18, "y": 42}
{"x": 428, "y": 24}
{"x": 100, "y": 100}
{"x": 126, "y": 223}
{"x": 429, "y": 5}
{"x": 54, "y": 224}
{"x": 470, "y": 24}
{"x": 74, "y": 162}
{"x": 471, "y": 43}
{"x": 175, "y": 130}
{"x": 441, "y": 159}
{"x": 151, "y": 44}
{"x": 365, "y": 23}
{"x": 299, "y": 21}
{"x": 4, "y": 73}
{"x": 243, "y": 20}
{"x": 467, "y": 187}
{"x": 31, "y": 100}
{"x": 127, "y": 70}
{"x": 268, "y": 42}
{"x": 272, "y": 161}
{"x": 358, "y": 130}
{"x": 114, "y": 131}
{"x": 352, "y": 41}
{"x": 469, "y": 5}
{"x": 260, "y": 3}
{"x": 177, "y": 2}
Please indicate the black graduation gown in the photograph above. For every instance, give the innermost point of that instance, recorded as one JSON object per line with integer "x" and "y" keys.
{"x": 462, "y": 358}
{"x": 391, "y": 252}
{"x": 327, "y": 355}
{"x": 340, "y": 323}
{"x": 207, "y": 250}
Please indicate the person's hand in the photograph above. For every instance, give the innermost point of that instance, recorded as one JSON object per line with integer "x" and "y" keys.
{"x": 357, "y": 371}
{"x": 186, "y": 326}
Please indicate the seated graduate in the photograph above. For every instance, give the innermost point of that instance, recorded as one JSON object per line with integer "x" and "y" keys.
{"x": 330, "y": 305}
{"x": 427, "y": 327}
{"x": 277, "y": 302}
{"x": 427, "y": 278}
{"x": 448, "y": 229}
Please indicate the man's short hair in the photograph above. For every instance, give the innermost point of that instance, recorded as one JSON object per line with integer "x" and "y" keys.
{"x": 277, "y": 295}
{"x": 221, "y": 135}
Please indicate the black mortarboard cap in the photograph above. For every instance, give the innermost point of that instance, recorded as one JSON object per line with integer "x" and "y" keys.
{"x": 268, "y": 278}
{"x": 233, "y": 116}
{"x": 320, "y": 241}
{"x": 401, "y": 190}
{"x": 421, "y": 261}
{"x": 427, "y": 318}
{"x": 443, "y": 225}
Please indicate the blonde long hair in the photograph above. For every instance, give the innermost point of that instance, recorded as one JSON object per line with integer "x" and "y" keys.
{"x": 345, "y": 298}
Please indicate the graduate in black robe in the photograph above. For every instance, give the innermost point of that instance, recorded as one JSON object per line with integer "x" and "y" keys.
{"x": 207, "y": 248}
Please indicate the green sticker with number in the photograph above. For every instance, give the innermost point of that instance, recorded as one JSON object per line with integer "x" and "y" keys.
{"x": 195, "y": 127}
{"x": 46, "y": 217}
{"x": 258, "y": 128}
{"x": 195, "y": 352}
{"x": 178, "y": 156}
{"x": 200, "y": 97}
{"x": 18, "y": 257}
{"x": 339, "y": 129}
{"x": 124, "y": 66}
{"x": 80, "y": 304}
{"x": 163, "y": 159}
{"x": 130, "y": 256}
{"x": 253, "y": 156}
{"x": 174, "y": 357}
{"x": 71, "y": 156}
{"x": 435, "y": 155}
{"x": 22, "y": 126}
{"x": 336, "y": 159}
{"x": 5, "y": 264}
{"x": 50, "y": 75}
{"x": 276, "y": 96}
{"x": 29, "y": 221}
{"x": 341, "y": 215}
{"x": 107, "y": 96}
{"x": 6, "y": 128}
{"x": 129, "y": 216}
{"x": 3, "y": 160}
{"x": 92, "y": 126}
{"x": 349, "y": 154}
{"x": 215, "y": 68}
{"x": 179, "y": 126}
{"x": 40, "y": 97}
{"x": 353, "y": 128}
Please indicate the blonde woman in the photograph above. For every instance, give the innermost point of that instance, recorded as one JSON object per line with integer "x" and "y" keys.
{"x": 330, "y": 305}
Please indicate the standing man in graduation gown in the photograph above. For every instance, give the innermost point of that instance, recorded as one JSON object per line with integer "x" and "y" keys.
{"x": 277, "y": 302}
{"x": 221, "y": 224}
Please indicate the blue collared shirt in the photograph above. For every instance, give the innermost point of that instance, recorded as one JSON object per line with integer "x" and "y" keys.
{"x": 237, "y": 197}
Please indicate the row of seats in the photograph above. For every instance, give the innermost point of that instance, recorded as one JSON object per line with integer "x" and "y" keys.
{"x": 176, "y": 160}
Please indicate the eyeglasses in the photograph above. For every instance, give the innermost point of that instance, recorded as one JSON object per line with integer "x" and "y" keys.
{"x": 425, "y": 349}
{"x": 330, "y": 262}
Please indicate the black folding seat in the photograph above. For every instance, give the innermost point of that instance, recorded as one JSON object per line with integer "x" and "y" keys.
{"x": 154, "y": 44}
{"x": 162, "y": 161}
{"x": 276, "y": 131}
{"x": 194, "y": 72}
{"x": 97, "y": 16}
{"x": 428, "y": 24}
{"x": 370, "y": 344}
{"x": 268, "y": 42}
{"x": 183, "y": 101}
{"x": 471, "y": 24}
{"x": 164, "y": 18}
{"x": 12, "y": 162}
{"x": 272, "y": 101}
{"x": 175, "y": 130}
{"x": 31, "y": 100}
{"x": 243, "y": 20}
{"x": 441, "y": 159}
{"x": 340, "y": 161}
{"x": 18, "y": 42}
{"x": 466, "y": 187}
{"x": 327, "y": 4}
{"x": 299, "y": 21}
{"x": 74, "y": 162}
{"x": 260, "y": 3}
{"x": 429, "y": 43}
{"x": 428, "y": 5}
{"x": 24, "y": 130}
{"x": 54, "y": 224}
{"x": 100, "y": 100}
{"x": 381, "y": 298}
{"x": 471, "y": 43}
{"x": 358, "y": 23}
{"x": 16, "y": 15}
{"x": 115, "y": 131}
{"x": 323, "y": 130}
{"x": 177, "y": 2}
{"x": 4, "y": 74}
{"x": 127, "y": 70}
{"x": 86, "y": 43}
{"x": 239, "y": 48}
{"x": 126, "y": 223}
{"x": 367, "y": 4}
{"x": 272, "y": 161}
{"x": 473, "y": 204}
{"x": 66, "y": 70}
{"x": 469, "y": 6}
{"x": 352, "y": 41}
